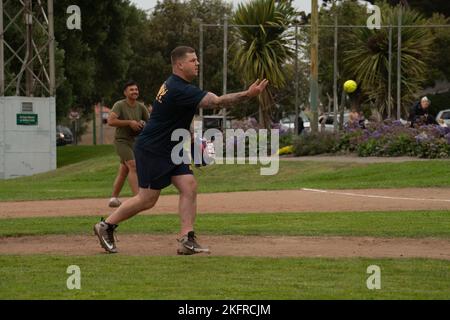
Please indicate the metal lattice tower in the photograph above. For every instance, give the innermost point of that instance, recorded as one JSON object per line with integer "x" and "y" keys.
{"x": 27, "y": 48}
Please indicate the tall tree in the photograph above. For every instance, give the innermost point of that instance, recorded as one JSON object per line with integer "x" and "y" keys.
{"x": 159, "y": 35}
{"x": 439, "y": 59}
{"x": 367, "y": 60}
{"x": 348, "y": 13}
{"x": 262, "y": 51}
{"x": 95, "y": 57}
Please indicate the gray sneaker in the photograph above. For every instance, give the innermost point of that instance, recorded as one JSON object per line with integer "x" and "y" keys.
{"x": 105, "y": 233}
{"x": 188, "y": 245}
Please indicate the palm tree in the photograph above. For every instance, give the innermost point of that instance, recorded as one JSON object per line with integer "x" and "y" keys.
{"x": 262, "y": 51}
{"x": 368, "y": 60}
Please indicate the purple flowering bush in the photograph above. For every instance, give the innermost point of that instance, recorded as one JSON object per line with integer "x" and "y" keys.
{"x": 379, "y": 139}
{"x": 392, "y": 138}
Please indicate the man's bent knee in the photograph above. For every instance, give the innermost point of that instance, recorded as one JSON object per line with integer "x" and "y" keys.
{"x": 148, "y": 201}
{"x": 148, "y": 204}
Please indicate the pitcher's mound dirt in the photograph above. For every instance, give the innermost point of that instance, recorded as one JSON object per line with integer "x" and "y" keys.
{"x": 248, "y": 246}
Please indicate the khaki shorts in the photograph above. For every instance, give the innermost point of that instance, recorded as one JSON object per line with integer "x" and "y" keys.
{"x": 124, "y": 149}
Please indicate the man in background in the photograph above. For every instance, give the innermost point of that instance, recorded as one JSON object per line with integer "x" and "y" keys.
{"x": 129, "y": 117}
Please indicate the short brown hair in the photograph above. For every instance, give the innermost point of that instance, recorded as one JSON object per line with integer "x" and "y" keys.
{"x": 180, "y": 52}
{"x": 129, "y": 83}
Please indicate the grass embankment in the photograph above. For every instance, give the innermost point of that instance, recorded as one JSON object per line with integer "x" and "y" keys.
{"x": 89, "y": 171}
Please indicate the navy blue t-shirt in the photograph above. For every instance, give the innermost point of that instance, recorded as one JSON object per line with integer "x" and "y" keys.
{"x": 174, "y": 108}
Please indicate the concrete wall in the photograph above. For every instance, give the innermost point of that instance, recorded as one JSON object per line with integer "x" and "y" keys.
{"x": 27, "y": 149}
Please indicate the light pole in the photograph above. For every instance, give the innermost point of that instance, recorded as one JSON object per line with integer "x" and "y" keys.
{"x": 314, "y": 81}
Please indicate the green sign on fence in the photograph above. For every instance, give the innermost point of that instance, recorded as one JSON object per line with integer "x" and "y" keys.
{"x": 27, "y": 119}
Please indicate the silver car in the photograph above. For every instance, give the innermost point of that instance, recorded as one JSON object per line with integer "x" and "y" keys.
{"x": 326, "y": 121}
{"x": 443, "y": 117}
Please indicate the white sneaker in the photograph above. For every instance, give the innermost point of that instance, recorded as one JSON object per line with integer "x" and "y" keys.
{"x": 114, "y": 202}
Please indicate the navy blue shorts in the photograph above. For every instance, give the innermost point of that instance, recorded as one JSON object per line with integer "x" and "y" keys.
{"x": 156, "y": 172}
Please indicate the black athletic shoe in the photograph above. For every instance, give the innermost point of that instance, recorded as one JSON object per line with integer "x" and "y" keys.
{"x": 105, "y": 233}
{"x": 189, "y": 245}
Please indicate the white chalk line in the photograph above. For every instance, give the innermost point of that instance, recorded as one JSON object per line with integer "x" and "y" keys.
{"x": 373, "y": 196}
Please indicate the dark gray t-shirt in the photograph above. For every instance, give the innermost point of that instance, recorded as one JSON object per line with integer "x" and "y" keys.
{"x": 174, "y": 108}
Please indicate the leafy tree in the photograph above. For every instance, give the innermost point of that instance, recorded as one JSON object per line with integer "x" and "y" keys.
{"x": 348, "y": 13}
{"x": 159, "y": 35}
{"x": 96, "y": 57}
{"x": 263, "y": 51}
{"x": 439, "y": 58}
{"x": 368, "y": 58}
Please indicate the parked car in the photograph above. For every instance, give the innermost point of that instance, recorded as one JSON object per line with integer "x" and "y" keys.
{"x": 288, "y": 123}
{"x": 326, "y": 122}
{"x": 63, "y": 136}
{"x": 443, "y": 117}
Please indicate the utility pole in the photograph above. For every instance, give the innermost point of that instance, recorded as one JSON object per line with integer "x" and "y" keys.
{"x": 51, "y": 48}
{"x": 101, "y": 122}
{"x": 314, "y": 82}
{"x": 2, "y": 52}
{"x": 94, "y": 128}
{"x": 335, "y": 70}
{"x": 225, "y": 68}
{"x": 399, "y": 62}
{"x": 297, "y": 111}
{"x": 389, "y": 105}
{"x": 29, "y": 59}
{"x": 200, "y": 77}
{"x": 29, "y": 47}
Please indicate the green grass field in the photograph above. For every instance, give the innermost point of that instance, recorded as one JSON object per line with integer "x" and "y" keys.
{"x": 419, "y": 224}
{"x": 201, "y": 277}
{"x": 88, "y": 172}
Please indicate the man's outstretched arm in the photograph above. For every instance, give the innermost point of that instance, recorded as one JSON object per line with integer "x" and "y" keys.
{"x": 212, "y": 101}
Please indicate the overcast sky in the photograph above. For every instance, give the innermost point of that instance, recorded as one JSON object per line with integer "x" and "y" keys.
{"x": 301, "y": 5}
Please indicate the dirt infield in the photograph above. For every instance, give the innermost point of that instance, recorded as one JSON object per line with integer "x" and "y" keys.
{"x": 304, "y": 200}
{"x": 248, "y": 246}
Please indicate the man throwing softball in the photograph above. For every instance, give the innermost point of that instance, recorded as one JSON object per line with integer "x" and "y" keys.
{"x": 174, "y": 108}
